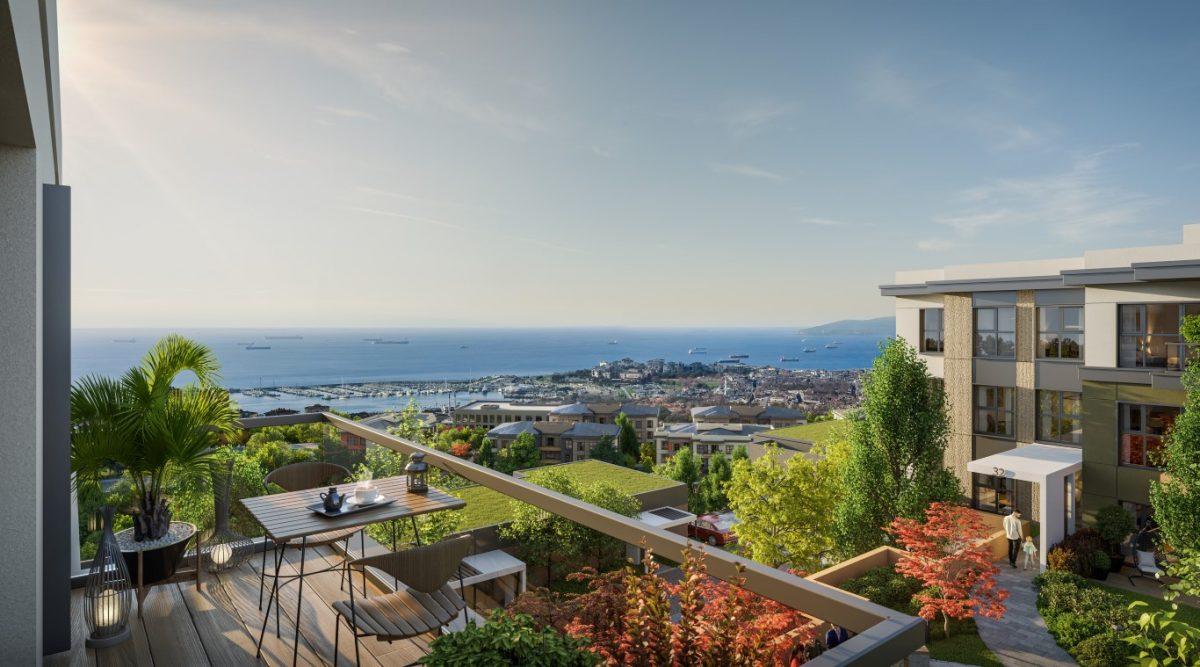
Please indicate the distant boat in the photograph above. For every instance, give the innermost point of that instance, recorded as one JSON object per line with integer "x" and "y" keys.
{"x": 380, "y": 341}
{"x": 124, "y": 340}
{"x": 462, "y": 347}
{"x": 831, "y": 346}
{"x": 729, "y": 361}
{"x": 739, "y": 356}
{"x": 809, "y": 349}
{"x": 698, "y": 350}
{"x": 612, "y": 342}
{"x": 291, "y": 337}
{"x": 258, "y": 347}
{"x": 371, "y": 340}
{"x": 786, "y": 359}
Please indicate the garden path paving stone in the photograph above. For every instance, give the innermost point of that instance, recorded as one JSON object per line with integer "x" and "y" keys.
{"x": 1021, "y": 638}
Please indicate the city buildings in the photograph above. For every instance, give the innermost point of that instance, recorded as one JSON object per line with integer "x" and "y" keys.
{"x": 645, "y": 418}
{"x": 1061, "y": 375}
{"x": 703, "y": 438}
{"x": 558, "y": 441}
{"x": 772, "y": 415}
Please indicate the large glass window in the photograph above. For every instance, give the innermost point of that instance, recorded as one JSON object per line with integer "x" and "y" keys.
{"x": 1142, "y": 431}
{"x": 993, "y": 494}
{"x": 1060, "y": 332}
{"x": 1149, "y": 334}
{"x": 995, "y": 332}
{"x": 994, "y": 410}
{"x": 1060, "y": 417}
{"x": 932, "y": 330}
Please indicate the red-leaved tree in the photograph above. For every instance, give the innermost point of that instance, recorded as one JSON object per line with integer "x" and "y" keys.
{"x": 626, "y": 617}
{"x": 947, "y": 554}
{"x": 461, "y": 449}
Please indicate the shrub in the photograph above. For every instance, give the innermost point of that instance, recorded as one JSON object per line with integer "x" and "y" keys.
{"x": 508, "y": 640}
{"x": 1113, "y": 524}
{"x": 1076, "y": 611}
{"x": 1101, "y": 560}
{"x": 1074, "y": 553}
{"x": 1104, "y": 650}
{"x": 884, "y": 586}
{"x": 1071, "y": 629}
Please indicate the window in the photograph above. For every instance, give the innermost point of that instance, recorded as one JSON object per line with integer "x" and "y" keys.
{"x": 1149, "y": 334}
{"x": 995, "y": 332}
{"x": 1142, "y": 431}
{"x": 932, "y": 330}
{"x": 993, "y": 494}
{"x": 1060, "y": 332}
{"x": 1060, "y": 417}
{"x": 994, "y": 411}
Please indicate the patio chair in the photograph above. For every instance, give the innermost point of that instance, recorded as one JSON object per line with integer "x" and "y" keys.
{"x": 299, "y": 477}
{"x": 1145, "y": 566}
{"x": 424, "y": 603}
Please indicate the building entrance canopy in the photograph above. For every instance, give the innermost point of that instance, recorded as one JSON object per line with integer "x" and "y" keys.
{"x": 1053, "y": 469}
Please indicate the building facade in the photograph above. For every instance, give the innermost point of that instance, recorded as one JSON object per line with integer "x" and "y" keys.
{"x": 645, "y": 418}
{"x": 558, "y": 441}
{"x": 703, "y": 439}
{"x": 1080, "y": 357}
{"x": 771, "y": 415}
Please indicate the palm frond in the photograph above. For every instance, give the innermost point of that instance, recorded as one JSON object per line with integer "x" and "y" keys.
{"x": 175, "y": 354}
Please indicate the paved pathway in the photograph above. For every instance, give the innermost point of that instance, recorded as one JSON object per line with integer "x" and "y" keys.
{"x": 1020, "y": 638}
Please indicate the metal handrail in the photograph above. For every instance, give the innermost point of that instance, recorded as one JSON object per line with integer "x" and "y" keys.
{"x": 884, "y": 636}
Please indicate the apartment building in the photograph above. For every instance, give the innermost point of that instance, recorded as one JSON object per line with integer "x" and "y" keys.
{"x": 493, "y": 413}
{"x": 704, "y": 439}
{"x": 558, "y": 441}
{"x": 770, "y": 415}
{"x": 1062, "y": 376}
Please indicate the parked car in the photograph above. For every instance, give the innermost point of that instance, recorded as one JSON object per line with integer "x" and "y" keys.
{"x": 715, "y": 529}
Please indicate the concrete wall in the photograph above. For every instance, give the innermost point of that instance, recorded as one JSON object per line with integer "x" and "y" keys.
{"x": 29, "y": 157}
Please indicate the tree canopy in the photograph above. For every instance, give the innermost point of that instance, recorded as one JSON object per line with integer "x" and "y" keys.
{"x": 1176, "y": 499}
{"x": 894, "y": 466}
{"x": 627, "y": 439}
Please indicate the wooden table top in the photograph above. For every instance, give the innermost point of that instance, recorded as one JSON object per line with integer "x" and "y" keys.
{"x": 286, "y": 516}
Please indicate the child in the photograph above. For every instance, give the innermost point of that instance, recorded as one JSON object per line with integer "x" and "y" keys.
{"x": 1031, "y": 559}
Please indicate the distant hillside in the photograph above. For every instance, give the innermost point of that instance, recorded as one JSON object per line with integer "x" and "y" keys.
{"x": 880, "y": 326}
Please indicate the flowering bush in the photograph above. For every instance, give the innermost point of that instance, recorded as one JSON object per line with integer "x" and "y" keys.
{"x": 461, "y": 449}
{"x": 626, "y": 618}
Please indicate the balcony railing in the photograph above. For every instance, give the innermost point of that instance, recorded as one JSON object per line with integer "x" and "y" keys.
{"x": 883, "y": 636}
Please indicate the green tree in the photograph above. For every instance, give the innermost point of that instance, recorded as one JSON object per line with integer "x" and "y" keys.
{"x": 541, "y": 535}
{"x": 486, "y": 454}
{"x": 608, "y": 551}
{"x": 740, "y": 453}
{"x": 783, "y": 510}
{"x": 646, "y": 456}
{"x": 710, "y": 492}
{"x": 1176, "y": 498}
{"x": 605, "y": 451}
{"x": 627, "y": 439}
{"x": 409, "y": 425}
{"x": 520, "y": 454}
{"x": 894, "y": 466}
{"x": 683, "y": 467}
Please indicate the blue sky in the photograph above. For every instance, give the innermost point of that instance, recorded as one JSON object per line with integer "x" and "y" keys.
{"x": 534, "y": 164}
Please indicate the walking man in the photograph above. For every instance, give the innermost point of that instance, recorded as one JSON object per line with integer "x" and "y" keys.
{"x": 1012, "y": 530}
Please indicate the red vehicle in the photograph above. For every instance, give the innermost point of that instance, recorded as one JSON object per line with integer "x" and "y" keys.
{"x": 715, "y": 529}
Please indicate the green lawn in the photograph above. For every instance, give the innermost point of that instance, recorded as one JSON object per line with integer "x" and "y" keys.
{"x": 817, "y": 432}
{"x": 486, "y": 507}
{"x": 1187, "y": 613}
{"x": 965, "y": 648}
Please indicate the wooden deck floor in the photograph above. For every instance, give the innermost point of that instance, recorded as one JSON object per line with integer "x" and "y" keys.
{"x": 219, "y": 624}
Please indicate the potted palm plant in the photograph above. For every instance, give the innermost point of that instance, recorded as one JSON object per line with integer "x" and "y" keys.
{"x": 153, "y": 431}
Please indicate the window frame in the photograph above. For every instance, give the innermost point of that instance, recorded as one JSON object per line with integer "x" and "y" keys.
{"x": 1058, "y": 413}
{"x": 1060, "y": 332}
{"x": 980, "y": 481}
{"x": 1123, "y": 410}
{"x": 939, "y": 330}
{"x": 997, "y": 334}
{"x": 1008, "y": 410}
{"x": 1139, "y": 337}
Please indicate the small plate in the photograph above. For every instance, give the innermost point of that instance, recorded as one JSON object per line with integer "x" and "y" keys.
{"x": 353, "y": 500}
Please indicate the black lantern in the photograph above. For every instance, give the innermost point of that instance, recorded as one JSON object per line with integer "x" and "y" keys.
{"x": 108, "y": 594}
{"x": 417, "y": 470}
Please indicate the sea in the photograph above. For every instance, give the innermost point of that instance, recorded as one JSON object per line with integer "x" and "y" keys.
{"x": 258, "y": 358}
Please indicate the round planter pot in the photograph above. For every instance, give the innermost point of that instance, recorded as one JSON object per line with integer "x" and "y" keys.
{"x": 160, "y": 558}
{"x": 1099, "y": 574}
{"x": 1118, "y": 562}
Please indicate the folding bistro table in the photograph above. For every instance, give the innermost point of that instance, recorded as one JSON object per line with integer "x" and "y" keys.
{"x": 286, "y": 517}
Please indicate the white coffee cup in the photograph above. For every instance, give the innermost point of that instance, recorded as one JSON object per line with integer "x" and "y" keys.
{"x": 366, "y": 495}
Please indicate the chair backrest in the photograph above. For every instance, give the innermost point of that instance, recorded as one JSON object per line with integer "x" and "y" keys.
{"x": 426, "y": 568}
{"x": 1145, "y": 560}
{"x": 306, "y": 475}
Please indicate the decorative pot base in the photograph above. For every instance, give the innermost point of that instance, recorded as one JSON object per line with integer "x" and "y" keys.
{"x": 110, "y": 640}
